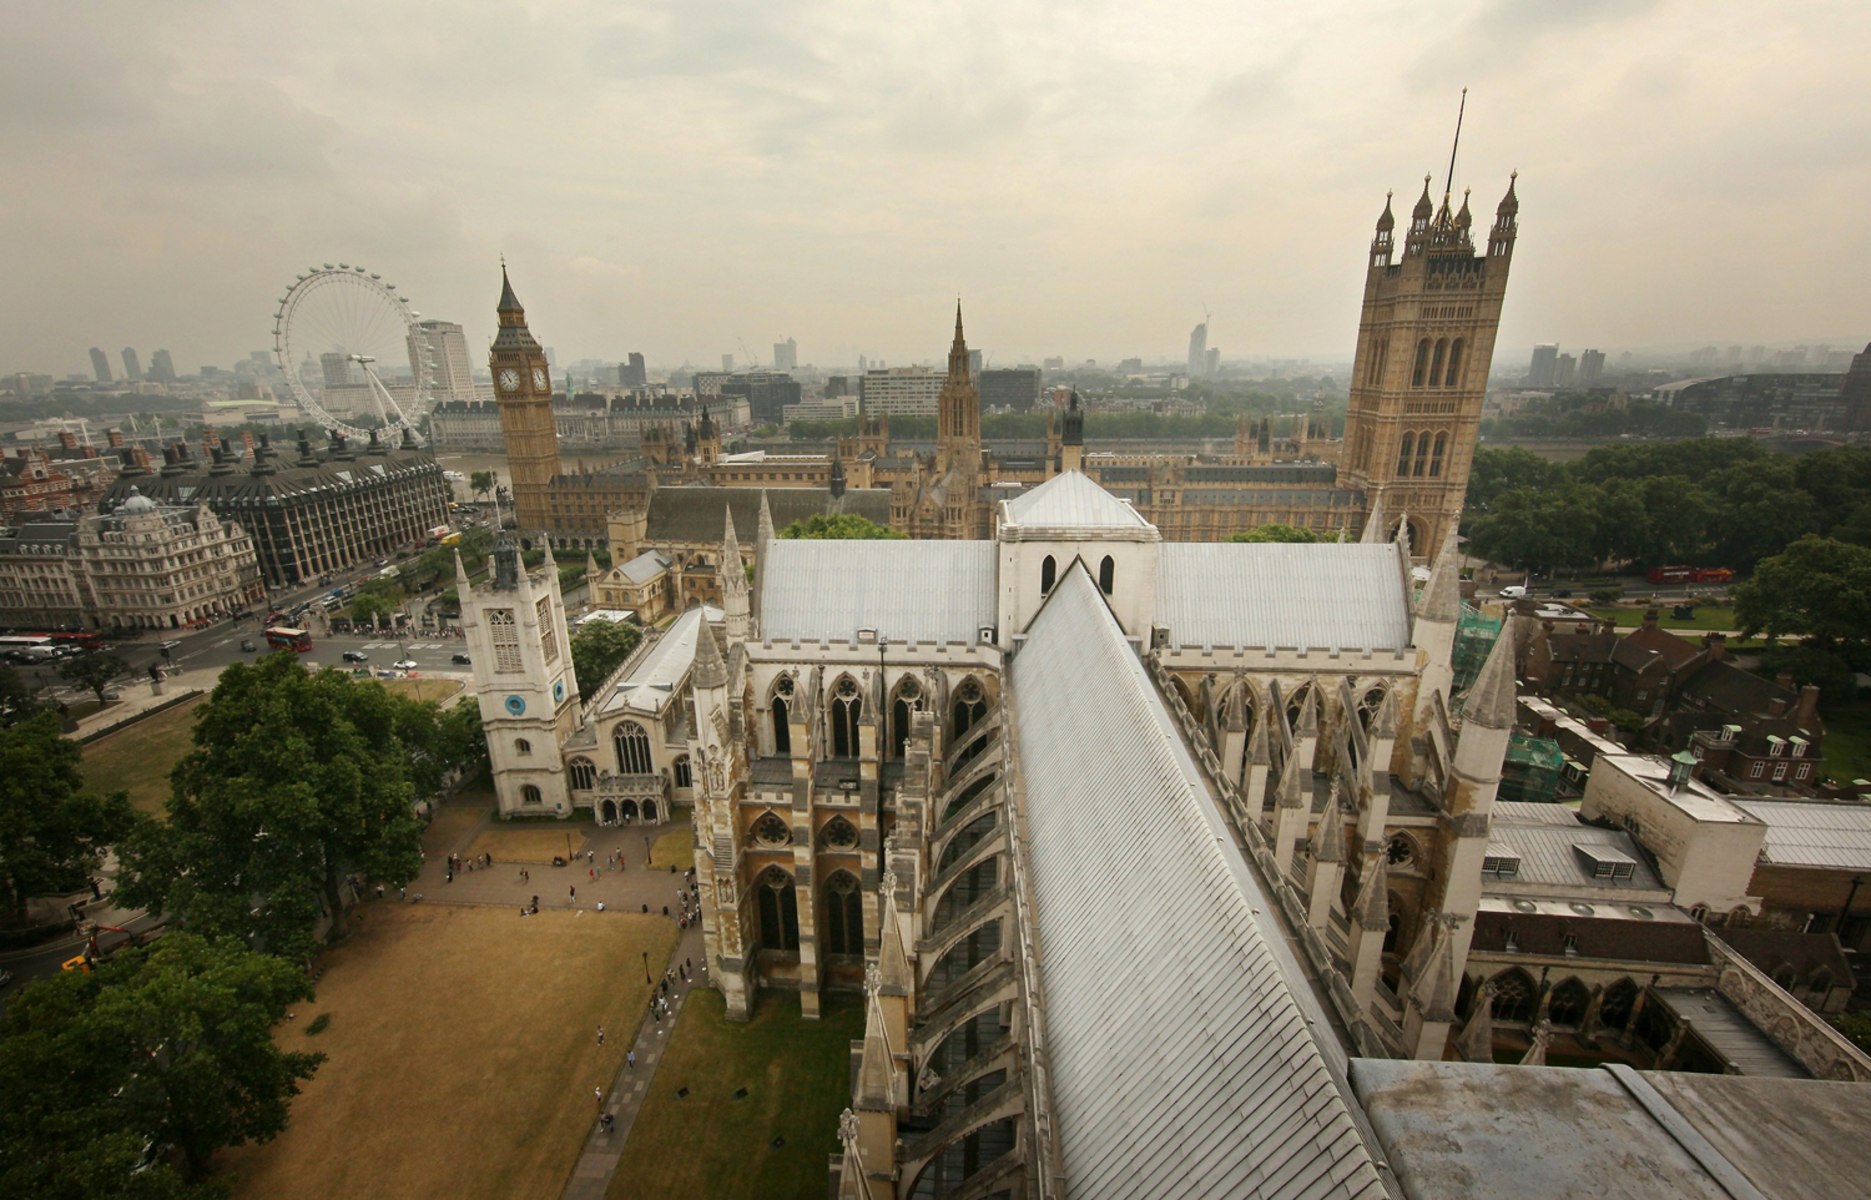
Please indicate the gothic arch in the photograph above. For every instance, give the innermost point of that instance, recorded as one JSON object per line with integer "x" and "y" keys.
{"x": 1435, "y": 365}
{"x": 1048, "y": 573}
{"x": 1514, "y": 995}
{"x": 1452, "y": 374}
{"x": 969, "y": 709}
{"x": 1435, "y": 455}
{"x": 680, "y": 773}
{"x": 1422, "y": 363}
{"x": 845, "y": 714}
{"x": 1569, "y": 1002}
{"x": 632, "y": 744}
{"x": 584, "y": 773}
{"x": 1620, "y": 1000}
{"x": 1369, "y": 702}
{"x": 770, "y": 829}
{"x": 780, "y": 704}
{"x": 844, "y": 915}
{"x": 1422, "y": 455}
{"x": 1107, "y": 574}
{"x": 778, "y": 902}
{"x": 838, "y": 834}
{"x": 1404, "y": 455}
{"x": 531, "y": 795}
{"x": 906, "y": 700}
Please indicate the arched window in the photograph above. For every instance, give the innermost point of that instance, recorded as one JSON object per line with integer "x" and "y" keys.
{"x": 522, "y": 746}
{"x": 680, "y": 769}
{"x": 782, "y": 728}
{"x": 904, "y": 706}
{"x": 1107, "y": 574}
{"x": 530, "y": 795}
{"x": 844, "y": 915}
{"x": 970, "y": 706}
{"x": 1513, "y": 996}
{"x": 1614, "y": 1011}
{"x": 1435, "y": 456}
{"x": 1422, "y": 453}
{"x": 1435, "y": 364}
{"x": 633, "y": 749}
{"x": 1048, "y": 571}
{"x": 838, "y": 834}
{"x": 779, "y": 910}
{"x": 1403, "y": 455}
{"x": 771, "y": 830}
{"x": 1422, "y": 363}
{"x": 584, "y": 774}
{"x": 1368, "y": 704}
{"x": 1452, "y": 374}
{"x": 1569, "y": 1002}
{"x": 846, "y": 709}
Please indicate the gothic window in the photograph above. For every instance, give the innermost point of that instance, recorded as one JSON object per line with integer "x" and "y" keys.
{"x": 1513, "y": 996}
{"x": 1569, "y": 1002}
{"x": 584, "y": 774}
{"x": 530, "y": 795}
{"x": 782, "y": 727}
{"x": 522, "y": 746}
{"x": 1048, "y": 571}
{"x": 1368, "y": 704}
{"x": 548, "y": 634}
{"x": 779, "y": 910}
{"x": 1435, "y": 364}
{"x": 1403, "y": 455}
{"x": 1296, "y": 704}
{"x": 1614, "y": 1011}
{"x": 1451, "y": 375}
{"x": 1422, "y": 453}
{"x": 970, "y": 707}
{"x": 907, "y": 702}
{"x": 505, "y": 635}
{"x": 844, "y": 915}
{"x": 838, "y": 834}
{"x": 772, "y": 830}
{"x": 1400, "y": 850}
{"x": 846, "y": 710}
{"x": 1435, "y": 457}
{"x": 633, "y": 749}
{"x": 683, "y": 777}
{"x": 1107, "y": 574}
{"x": 1422, "y": 363}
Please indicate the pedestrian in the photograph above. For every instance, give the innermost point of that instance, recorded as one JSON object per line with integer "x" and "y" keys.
{"x": 574, "y": 893}
{"x": 380, "y": 891}
{"x": 591, "y": 856}
{"x": 535, "y": 903}
{"x": 600, "y": 906}
{"x": 488, "y": 858}
{"x": 599, "y": 1093}
{"x": 689, "y": 963}
{"x": 630, "y": 1060}
{"x": 450, "y": 877}
{"x": 600, "y": 1035}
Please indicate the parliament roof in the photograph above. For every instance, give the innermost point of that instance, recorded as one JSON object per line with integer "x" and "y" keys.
{"x": 814, "y": 590}
{"x": 692, "y": 515}
{"x": 1070, "y": 500}
{"x": 1275, "y": 595}
{"x": 1179, "y": 1030}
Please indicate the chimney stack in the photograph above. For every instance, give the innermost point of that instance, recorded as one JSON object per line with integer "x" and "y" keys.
{"x": 1806, "y": 712}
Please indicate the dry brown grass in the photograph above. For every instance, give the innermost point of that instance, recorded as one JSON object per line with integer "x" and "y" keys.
{"x": 523, "y": 845}
{"x": 462, "y": 1054}
{"x": 429, "y": 687}
{"x": 676, "y": 846}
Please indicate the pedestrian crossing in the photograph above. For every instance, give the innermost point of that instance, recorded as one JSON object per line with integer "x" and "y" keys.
{"x": 406, "y": 645}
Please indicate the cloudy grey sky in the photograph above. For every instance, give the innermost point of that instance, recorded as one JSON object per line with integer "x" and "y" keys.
{"x": 673, "y": 177}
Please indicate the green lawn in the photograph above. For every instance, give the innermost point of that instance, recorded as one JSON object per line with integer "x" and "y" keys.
{"x": 1708, "y": 616}
{"x": 1847, "y": 741}
{"x": 797, "y": 1075}
{"x": 138, "y": 758}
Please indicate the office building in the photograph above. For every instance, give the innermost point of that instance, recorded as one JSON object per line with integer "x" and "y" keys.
{"x": 132, "y": 368}
{"x": 900, "y": 391}
{"x": 1015, "y": 388}
{"x": 1198, "y": 351}
{"x": 443, "y": 348}
{"x": 1543, "y": 370}
{"x": 162, "y": 367}
{"x": 100, "y": 365}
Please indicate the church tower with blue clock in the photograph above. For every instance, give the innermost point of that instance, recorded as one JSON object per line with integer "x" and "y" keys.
{"x": 521, "y": 652}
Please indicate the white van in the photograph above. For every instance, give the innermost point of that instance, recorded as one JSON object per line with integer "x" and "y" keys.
{"x": 1514, "y": 591}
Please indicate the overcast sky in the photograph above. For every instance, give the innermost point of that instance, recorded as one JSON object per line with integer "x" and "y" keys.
{"x": 674, "y": 178}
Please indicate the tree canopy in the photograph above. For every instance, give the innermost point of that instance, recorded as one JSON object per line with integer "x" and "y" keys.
{"x": 296, "y": 780}
{"x": 1818, "y": 588}
{"x": 841, "y": 527}
{"x": 1274, "y": 531}
{"x": 52, "y": 832}
{"x": 168, "y": 1048}
{"x": 600, "y": 647}
{"x": 96, "y": 671}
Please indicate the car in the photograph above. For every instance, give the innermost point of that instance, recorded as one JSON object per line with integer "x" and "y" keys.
{"x": 356, "y": 656}
{"x": 404, "y": 664}
{"x": 247, "y": 645}
{"x": 171, "y": 644}
{"x": 6, "y": 977}
{"x": 461, "y": 657}
{"x": 385, "y": 673}
{"x": 1514, "y": 591}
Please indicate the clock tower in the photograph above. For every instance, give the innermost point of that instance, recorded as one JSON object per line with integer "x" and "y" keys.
{"x": 523, "y": 393}
{"x": 523, "y": 678}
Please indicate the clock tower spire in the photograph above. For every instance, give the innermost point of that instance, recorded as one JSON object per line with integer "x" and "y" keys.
{"x": 523, "y": 391}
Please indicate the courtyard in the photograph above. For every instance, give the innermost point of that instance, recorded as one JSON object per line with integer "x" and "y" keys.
{"x": 462, "y": 1052}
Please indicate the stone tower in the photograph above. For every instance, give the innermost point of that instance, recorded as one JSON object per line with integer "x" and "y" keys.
{"x": 1425, "y": 339}
{"x": 523, "y": 390}
{"x": 958, "y": 421}
{"x": 523, "y": 678}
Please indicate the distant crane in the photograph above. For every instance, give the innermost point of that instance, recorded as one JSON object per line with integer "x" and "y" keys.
{"x": 748, "y": 354}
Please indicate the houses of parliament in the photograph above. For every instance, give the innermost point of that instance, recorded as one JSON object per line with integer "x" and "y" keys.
{"x": 1425, "y": 340}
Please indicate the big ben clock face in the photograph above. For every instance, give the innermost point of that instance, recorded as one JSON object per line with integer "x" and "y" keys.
{"x": 539, "y": 377}
{"x": 509, "y": 379}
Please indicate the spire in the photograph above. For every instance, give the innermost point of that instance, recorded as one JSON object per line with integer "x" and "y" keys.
{"x": 1442, "y": 594}
{"x": 1257, "y": 750}
{"x": 764, "y": 532}
{"x": 1510, "y": 203}
{"x": 710, "y": 671}
{"x": 894, "y": 975}
{"x": 874, "y": 1091}
{"x": 959, "y": 340}
{"x": 1309, "y": 715}
{"x": 1490, "y": 702}
{"x": 1436, "y": 990}
{"x": 1289, "y": 793}
{"x": 1329, "y": 845}
{"x": 1374, "y": 524}
{"x": 1403, "y": 536}
{"x": 462, "y": 585}
{"x": 1476, "y": 1041}
{"x": 1425, "y": 207}
{"x": 1536, "y": 1053}
{"x": 506, "y": 563}
{"x": 731, "y": 560}
{"x": 509, "y": 303}
{"x": 1388, "y": 221}
{"x": 1464, "y": 218}
{"x": 1372, "y": 907}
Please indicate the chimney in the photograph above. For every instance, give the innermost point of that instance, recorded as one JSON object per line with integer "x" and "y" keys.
{"x": 1650, "y": 618}
{"x": 68, "y": 439}
{"x": 1716, "y": 646}
{"x": 246, "y": 441}
{"x": 1785, "y": 680}
{"x": 1777, "y": 707}
{"x": 1806, "y": 710}
{"x": 114, "y": 438}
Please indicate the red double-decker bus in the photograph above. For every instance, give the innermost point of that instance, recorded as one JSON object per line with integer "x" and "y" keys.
{"x": 284, "y": 637}
{"x": 1687, "y": 574}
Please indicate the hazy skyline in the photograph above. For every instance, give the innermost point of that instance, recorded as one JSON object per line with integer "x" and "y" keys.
{"x": 675, "y": 178}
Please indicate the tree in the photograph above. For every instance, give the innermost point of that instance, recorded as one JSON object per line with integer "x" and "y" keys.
{"x": 168, "y": 1047}
{"x": 461, "y": 741}
{"x": 1818, "y": 588}
{"x": 96, "y": 671}
{"x": 18, "y": 700}
{"x": 296, "y": 780}
{"x": 482, "y": 483}
{"x": 841, "y": 527}
{"x": 598, "y": 648}
{"x": 1273, "y": 531}
{"x": 52, "y": 832}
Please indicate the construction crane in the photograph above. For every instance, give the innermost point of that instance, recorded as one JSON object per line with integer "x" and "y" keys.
{"x": 752, "y": 361}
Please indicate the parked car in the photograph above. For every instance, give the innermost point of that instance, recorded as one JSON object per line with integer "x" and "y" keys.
{"x": 171, "y": 644}
{"x": 247, "y": 645}
{"x": 404, "y": 664}
{"x": 1514, "y": 591}
{"x": 461, "y": 657}
{"x": 356, "y": 656}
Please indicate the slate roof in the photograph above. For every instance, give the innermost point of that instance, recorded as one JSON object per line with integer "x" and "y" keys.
{"x": 1621, "y": 938}
{"x": 1070, "y": 500}
{"x": 1773, "y": 949}
{"x": 1643, "y": 647}
{"x": 1269, "y": 594}
{"x": 1805, "y": 833}
{"x": 1724, "y": 687}
{"x": 1548, "y": 855}
{"x": 1179, "y": 1029}
{"x": 825, "y": 591}
{"x": 652, "y": 681}
{"x": 643, "y": 568}
{"x": 691, "y": 515}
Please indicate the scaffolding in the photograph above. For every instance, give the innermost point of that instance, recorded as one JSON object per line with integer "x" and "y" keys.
{"x": 1475, "y": 634}
{"x": 1532, "y": 769}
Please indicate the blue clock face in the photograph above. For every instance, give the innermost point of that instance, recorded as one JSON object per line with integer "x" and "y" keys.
{"x": 558, "y": 690}
{"x": 516, "y": 705}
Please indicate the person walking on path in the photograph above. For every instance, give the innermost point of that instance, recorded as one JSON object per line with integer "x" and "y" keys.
{"x": 574, "y": 893}
{"x": 599, "y": 1093}
{"x": 600, "y": 1035}
{"x": 630, "y": 1060}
